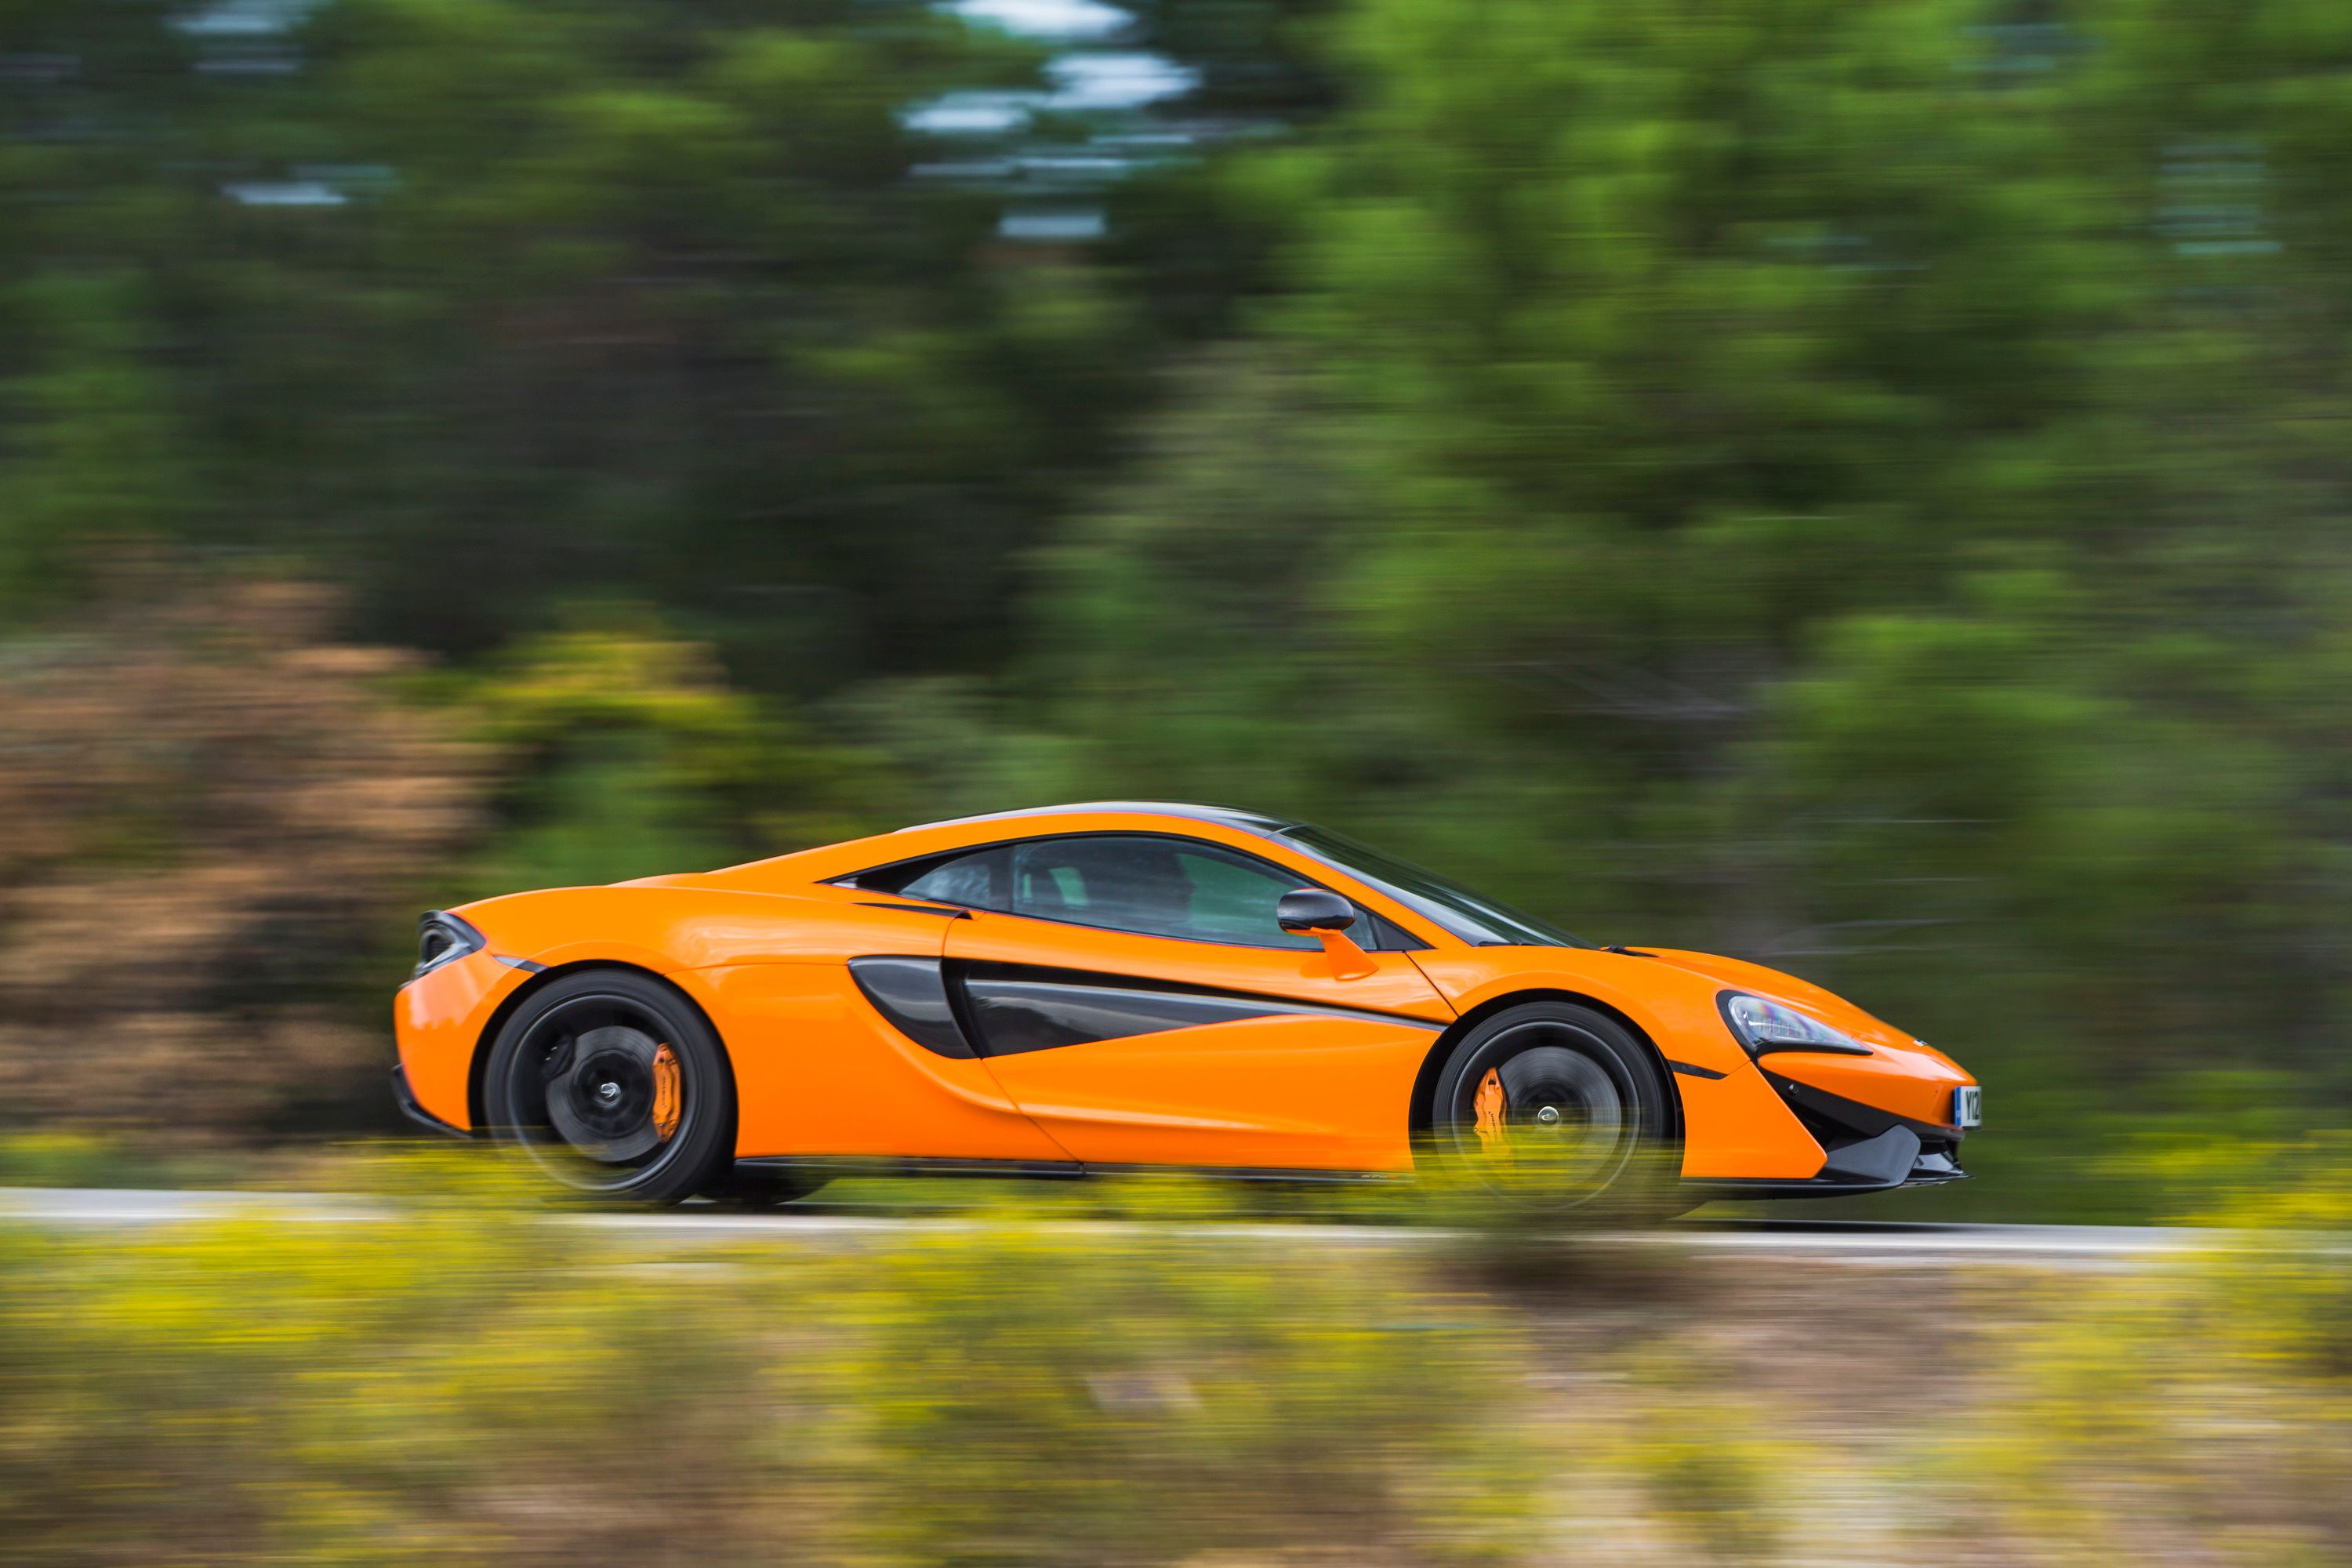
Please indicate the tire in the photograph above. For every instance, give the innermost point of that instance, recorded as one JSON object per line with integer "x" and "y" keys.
{"x": 576, "y": 1080}
{"x": 1585, "y": 1122}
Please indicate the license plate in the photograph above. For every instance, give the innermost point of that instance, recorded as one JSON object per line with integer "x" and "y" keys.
{"x": 1967, "y": 1106}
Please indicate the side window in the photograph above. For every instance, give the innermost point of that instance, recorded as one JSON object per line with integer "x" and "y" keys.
{"x": 1156, "y": 886}
{"x": 1234, "y": 900}
{"x": 976, "y": 880}
{"x": 1160, "y": 887}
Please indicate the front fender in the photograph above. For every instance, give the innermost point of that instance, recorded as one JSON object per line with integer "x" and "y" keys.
{"x": 1734, "y": 1124}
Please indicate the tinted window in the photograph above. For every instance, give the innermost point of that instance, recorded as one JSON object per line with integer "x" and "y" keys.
{"x": 1167, "y": 887}
{"x": 1160, "y": 887}
{"x": 1472, "y": 916}
{"x": 977, "y": 880}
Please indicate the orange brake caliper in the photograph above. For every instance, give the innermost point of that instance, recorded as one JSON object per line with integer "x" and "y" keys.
{"x": 666, "y": 1085}
{"x": 1491, "y": 1103}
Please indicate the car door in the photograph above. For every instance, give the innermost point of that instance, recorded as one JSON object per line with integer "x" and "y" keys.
{"x": 838, "y": 1042}
{"x": 1134, "y": 996}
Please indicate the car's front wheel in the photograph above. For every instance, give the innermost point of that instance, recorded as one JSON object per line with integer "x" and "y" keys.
{"x": 613, "y": 1084}
{"x": 1558, "y": 1106}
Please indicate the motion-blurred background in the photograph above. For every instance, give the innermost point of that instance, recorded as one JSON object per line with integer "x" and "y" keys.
{"x": 1862, "y": 487}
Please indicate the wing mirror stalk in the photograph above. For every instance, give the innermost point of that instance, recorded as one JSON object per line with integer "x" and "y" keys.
{"x": 1325, "y": 916}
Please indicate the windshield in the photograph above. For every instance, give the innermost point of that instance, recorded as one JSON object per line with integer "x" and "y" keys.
{"x": 1473, "y": 916}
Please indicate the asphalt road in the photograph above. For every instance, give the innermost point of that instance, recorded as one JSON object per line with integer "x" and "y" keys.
{"x": 1855, "y": 1242}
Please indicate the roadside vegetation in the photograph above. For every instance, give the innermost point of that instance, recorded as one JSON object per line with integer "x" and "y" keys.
{"x": 468, "y": 1376}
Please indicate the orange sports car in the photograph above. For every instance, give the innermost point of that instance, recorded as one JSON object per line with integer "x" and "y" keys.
{"x": 1121, "y": 986}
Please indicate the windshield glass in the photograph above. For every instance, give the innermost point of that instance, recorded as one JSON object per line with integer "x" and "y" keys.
{"x": 1472, "y": 917}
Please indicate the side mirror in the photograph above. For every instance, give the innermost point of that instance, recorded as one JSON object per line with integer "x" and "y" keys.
{"x": 1313, "y": 909}
{"x": 1325, "y": 917}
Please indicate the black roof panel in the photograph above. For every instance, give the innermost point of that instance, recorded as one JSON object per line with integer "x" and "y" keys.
{"x": 1228, "y": 816}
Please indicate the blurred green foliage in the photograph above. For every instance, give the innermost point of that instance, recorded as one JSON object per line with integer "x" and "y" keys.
{"x": 1855, "y": 486}
{"x": 2220, "y": 1387}
{"x": 1840, "y": 485}
{"x": 627, "y": 755}
{"x": 484, "y": 305}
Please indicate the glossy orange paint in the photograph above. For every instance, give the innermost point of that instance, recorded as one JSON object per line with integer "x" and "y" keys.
{"x": 1734, "y": 1126}
{"x": 438, "y": 1020}
{"x": 1323, "y": 1079}
{"x": 819, "y": 1072}
{"x": 1302, "y": 1092}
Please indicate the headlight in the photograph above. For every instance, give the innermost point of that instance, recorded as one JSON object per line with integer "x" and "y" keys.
{"x": 1765, "y": 1027}
{"x": 442, "y": 939}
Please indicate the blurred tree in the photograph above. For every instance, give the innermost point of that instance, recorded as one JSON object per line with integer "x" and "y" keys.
{"x": 1833, "y": 484}
{"x": 526, "y": 301}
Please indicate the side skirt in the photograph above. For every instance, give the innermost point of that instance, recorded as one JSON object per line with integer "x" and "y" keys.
{"x": 839, "y": 1165}
{"x": 1071, "y": 1170}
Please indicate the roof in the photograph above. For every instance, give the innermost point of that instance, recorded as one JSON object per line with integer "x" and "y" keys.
{"x": 1228, "y": 816}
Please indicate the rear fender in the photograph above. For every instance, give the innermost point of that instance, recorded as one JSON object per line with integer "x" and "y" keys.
{"x": 670, "y": 929}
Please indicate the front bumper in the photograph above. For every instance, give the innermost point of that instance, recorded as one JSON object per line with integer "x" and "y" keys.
{"x": 406, "y": 1097}
{"x": 437, "y": 1018}
{"x": 1868, "y": 1149}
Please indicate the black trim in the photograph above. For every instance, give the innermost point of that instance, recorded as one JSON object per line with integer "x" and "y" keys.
{"x": 1879, "y": 1160}
{"x": 1014, "y": 1013}
{"x": 1310, "y": 910}
{"x": 953, "y": 911}
{"x": 840, "y": 1165}
{"x": 1253, "y": 1172}
{"x": 459, "y": 939}
{"x": 835, "y": 1165}
{"x": 832, "y": 1165}
{"x": 1032, "y": 1003}
{"x": 967, "y": 1008}
{"x": 527, "y": 965}
{"x": 1926, "y": 1170}
{"x": 912, "y": 994}
{"x": 406, "y": 1097}
{"x": 1692, "y": 1069}
{"x": 1852, "y": 1115}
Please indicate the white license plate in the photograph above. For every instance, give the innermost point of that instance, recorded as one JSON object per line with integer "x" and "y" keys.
{"x": 1967, "y": 1106}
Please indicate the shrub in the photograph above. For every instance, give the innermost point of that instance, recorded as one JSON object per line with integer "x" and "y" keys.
{"x": 461, "y": 1377}
{"x": 206, "y": 808}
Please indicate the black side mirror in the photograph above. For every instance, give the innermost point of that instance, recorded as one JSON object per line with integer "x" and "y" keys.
{"x": 1312, "y": 908}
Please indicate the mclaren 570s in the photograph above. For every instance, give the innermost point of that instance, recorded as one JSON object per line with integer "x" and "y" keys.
{"x": 1123, "y": 986}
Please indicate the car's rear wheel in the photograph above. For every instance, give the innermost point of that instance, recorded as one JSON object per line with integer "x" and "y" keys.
{"x": 1556, "y": 1106}
{"x": 613, "y": 1084}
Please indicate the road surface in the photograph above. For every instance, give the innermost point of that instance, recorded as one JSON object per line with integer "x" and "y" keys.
{"x": 1848, "y": 1241}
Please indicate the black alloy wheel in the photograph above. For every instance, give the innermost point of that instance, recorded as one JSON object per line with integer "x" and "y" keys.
{"x": 615, "y": 1085}
{"x": 1556, "y": 1105}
